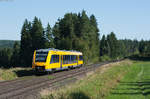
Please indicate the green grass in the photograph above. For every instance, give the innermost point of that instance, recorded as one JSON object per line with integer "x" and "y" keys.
{"x": 20, "y": 73}
{"x": 51, "y": 77}
{"x": 127, "y": 80}
{"x": 13, "y": 73}
{"x": 135, "y": 84}
{"x": 94, "y": 86}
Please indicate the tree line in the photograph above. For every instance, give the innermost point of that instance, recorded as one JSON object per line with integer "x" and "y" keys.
{"x": 75, "y": 31}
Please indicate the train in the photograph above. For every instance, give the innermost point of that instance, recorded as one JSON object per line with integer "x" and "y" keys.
{"x": 49, "y": 60}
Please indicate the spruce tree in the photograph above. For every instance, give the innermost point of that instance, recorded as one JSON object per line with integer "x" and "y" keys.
{"x": 56, "y": 33}
{"x": 94, "y": 36}
{"x": 26, "y": 44}
{"x": 78, "y": 32}
{"x": 142, "y": 47}
{"x": 103, "y": 46}
{"x": 5, "y": 57}
{"x": 113, "y": 45}
{"x": 37, "y": 34}
{"x": 84, "y": 25}
{"x": 15, "y": 60}
{"x": 49, "y": 38}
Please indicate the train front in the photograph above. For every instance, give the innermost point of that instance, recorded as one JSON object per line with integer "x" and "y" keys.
{"x": 39, "y": 60}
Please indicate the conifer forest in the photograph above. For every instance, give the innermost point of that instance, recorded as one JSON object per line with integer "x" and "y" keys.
{"x": 74, "y": 31}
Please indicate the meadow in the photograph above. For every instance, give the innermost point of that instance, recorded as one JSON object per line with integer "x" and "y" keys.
{"x": 135, "y": 84}
{"x": 123, "y": 80}
{"x": 95, "y": 86}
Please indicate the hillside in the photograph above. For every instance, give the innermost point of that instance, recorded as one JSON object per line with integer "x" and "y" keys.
{"x": 7, "y": 43}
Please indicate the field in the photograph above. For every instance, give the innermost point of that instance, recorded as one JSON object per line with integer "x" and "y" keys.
{"x": 135, "y": 84}
{"x": 95, "y": 85}
{"x": 123, "y": 80}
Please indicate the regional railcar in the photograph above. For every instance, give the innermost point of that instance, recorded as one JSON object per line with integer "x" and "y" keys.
{"x": 54, "y": 59}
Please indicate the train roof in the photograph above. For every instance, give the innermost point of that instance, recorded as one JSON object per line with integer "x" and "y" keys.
{"x": 53, "y": 49}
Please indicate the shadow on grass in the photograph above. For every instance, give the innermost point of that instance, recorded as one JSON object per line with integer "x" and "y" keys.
{"x": 22, "y": 73}
{"x": 139, "y": 58}
{"x": 133, "y": 88}
{"x": 78, "y": 95}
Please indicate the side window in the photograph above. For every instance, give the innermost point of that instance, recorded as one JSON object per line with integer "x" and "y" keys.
{"x": 75, "y": 58}
{"x": 80, "y": 57}
{"x": 69, "y": 59}
{"x": 64, "y": 59}
{"x": 54, "y": 59}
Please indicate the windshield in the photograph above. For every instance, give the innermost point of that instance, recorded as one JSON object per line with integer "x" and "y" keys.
{"x": 41, "y": 56}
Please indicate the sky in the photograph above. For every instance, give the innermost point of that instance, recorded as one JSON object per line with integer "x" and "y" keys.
{"x": 128, "y": 19}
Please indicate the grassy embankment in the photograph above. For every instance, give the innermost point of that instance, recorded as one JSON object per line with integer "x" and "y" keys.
{"x": 94, "y": 86}
{"x": 135, "y": 84}
{"x": 126, "y": 80}
{"x": 20, "y": 73}
{"x": 13, "y": 73}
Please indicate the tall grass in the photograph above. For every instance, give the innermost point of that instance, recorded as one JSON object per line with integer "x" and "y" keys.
{"x": 13, "y": 73}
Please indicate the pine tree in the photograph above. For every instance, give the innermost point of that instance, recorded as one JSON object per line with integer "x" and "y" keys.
{"x": 49, "y": 38}
{"x": 56, "y": 33}
{"x": 142, "y": 47}
{"x": 103, "y": 46}
{"x": 113, "y": 45}
{"x": 26, "y": 44}
{"x": 5, "y": 57}
{"x": 84, "y": 25}
{"x": 94, "y": 23}
{"x": 94, "y": 36}
{"x": 37, "y": 34}
{"x": 15, "y": 56}
{"x": 78, "y": 32}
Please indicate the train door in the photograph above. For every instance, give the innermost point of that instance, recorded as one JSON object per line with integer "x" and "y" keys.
{"x": 77, "y": 59}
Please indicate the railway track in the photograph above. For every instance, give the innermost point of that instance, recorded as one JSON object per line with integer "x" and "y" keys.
{"x": 20, "y": 89}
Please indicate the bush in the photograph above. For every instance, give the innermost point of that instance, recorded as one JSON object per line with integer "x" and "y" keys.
{"x": 105, "y": 58}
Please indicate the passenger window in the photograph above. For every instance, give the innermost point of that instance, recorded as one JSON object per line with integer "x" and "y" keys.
{"x": 69, "y": 59}
{"x": 54, "y": 59}
{"x": 80, "y": 57}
